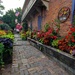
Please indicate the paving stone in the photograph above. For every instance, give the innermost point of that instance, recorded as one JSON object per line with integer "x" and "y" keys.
{"x": 32, "y": 70}
{"x": 22, "y": 72}
{"x": 27, "y": 60}
{"x": 26, "y": 72}
{"x": 39, "y": 68}
{"x": 15, "y": 65}
{"x": 45, "y": 72}
{"x": 24, "y": 61}
{"x": 23, "y": 68}
{"x": 35, "y": 73}
{"x": 50, "y": 70}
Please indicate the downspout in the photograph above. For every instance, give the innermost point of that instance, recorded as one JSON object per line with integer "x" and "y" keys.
{"x": 72, "y": 13}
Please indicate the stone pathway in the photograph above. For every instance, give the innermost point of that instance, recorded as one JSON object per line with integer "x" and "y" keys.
{"x": 27, "y": 60}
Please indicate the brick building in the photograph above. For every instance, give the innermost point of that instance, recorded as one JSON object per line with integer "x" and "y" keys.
{"x": 39, "y": 12}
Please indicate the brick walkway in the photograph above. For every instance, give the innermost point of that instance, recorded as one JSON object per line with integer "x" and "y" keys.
{"x": 27, "y": 60}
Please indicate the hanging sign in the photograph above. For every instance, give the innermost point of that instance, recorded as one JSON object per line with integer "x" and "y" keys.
{"x": 64, "y": 14}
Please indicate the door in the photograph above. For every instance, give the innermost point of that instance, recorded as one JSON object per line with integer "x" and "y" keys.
{"x": 39, "y": 22}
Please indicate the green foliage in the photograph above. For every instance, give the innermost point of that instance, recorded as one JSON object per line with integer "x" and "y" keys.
{"x": 5, "y": 52}
{"x": 8, "y": 36}
{"x": 1, "y": 8}
{"x": 57, "y": 23}
{"x": 7, "y": 55}
{"x": 28, "y": 33}
{"x": 34, "y": 36}
{"x": 41, "y": 40}
{"x": 1, "y": 54}
{"x": 5, "y": 27}
{"x": 55, "y": 43}
{"x": 71, "y": 43}
{"x": 73, "y": 34}
{"x": 10, "y": 17}
{"x": 46, "y": 27}
{"x": 24, "y": 38}
{"x": 74, "y": 21}
{"x": 25, "y": 26}
{"x": 6, "y": 46}
{"x": 23, "y": 35}
{"x": 58, "y": 50}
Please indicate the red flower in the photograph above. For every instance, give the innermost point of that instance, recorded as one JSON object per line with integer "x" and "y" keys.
{"x": 40, "y": 34}
{"x": 55, "y": 37}
{"x": 72, "y": 29}
{"x": 69, "y": 33}
{"x": 73, "y": 40}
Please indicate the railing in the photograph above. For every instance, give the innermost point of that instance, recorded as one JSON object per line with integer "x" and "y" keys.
{"x": 29, "y": 6}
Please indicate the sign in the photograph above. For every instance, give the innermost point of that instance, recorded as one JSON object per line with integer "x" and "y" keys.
{"x": 63, "y": 14}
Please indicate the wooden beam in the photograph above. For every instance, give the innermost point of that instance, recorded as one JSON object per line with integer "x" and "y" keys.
{"x": 37, "y": 9}
{"x": 46, "y": 0}
{"x": 46, "y": 3}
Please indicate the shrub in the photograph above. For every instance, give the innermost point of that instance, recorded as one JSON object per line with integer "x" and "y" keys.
{"x": 55, "y": 43}
{"x": 2, "y": 32}
{"x": 6, "y": 46}
{"x": 5, "y": 27}
{"x": 46, "y": 27}
{"x": 1, "y": 54}
{"x": 23, "y": 35}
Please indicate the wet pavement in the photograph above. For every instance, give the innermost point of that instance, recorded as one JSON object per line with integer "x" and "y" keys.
{"x": 27, "y": 60}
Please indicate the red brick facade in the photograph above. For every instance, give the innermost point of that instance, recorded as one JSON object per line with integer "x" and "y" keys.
{"x": 54, "y": 7}
{"x": 50, "y": 15}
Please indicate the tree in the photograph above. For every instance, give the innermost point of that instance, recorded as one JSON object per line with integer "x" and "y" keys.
{"x": 10, "y": 17}
{"x": 1, "y": 7}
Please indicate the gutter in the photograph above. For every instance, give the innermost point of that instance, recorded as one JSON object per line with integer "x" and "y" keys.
{"x": 31, "y": 3}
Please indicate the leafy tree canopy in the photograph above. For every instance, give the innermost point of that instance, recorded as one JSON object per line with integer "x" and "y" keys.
{"x": 1, "y": 7}
{"x": 10, "y": 17}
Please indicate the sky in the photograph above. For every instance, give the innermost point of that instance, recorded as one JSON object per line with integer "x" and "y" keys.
{"x": 12, "y": 4}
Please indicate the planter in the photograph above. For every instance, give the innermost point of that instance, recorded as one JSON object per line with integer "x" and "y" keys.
{"x": 7, "y": 57}
{"x": 64, "y": 59}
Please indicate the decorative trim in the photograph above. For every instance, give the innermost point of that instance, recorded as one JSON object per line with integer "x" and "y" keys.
{"x": 46, "y": 3}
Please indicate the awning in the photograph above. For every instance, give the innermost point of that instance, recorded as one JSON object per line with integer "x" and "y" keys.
{"x": 33, "y": 7}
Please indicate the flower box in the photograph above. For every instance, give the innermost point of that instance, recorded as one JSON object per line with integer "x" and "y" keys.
{"x": 64, "y": 59}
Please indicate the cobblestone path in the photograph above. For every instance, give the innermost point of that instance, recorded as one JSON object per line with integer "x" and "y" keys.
{"x": 27, "y": 60}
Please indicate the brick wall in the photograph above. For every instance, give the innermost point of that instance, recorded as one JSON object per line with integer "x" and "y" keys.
{"x": 50, "y": 15}
{"x": 34, "y": 22}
